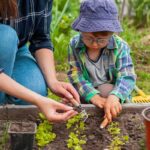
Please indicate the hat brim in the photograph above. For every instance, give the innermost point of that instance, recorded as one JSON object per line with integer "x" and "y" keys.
{"x": 96, "y": 25}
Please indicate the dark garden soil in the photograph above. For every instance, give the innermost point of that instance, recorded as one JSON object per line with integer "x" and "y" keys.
{"x": 131, "y": 124}
{"x": 99, "y": 139}
{"x": 22, "y": 127}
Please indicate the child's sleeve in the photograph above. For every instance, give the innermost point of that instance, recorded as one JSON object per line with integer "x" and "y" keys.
{"x": 126, "y": 77}
{"x": 75, "y": 74}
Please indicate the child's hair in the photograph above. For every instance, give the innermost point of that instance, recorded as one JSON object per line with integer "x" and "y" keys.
{"x": 103, "y": 33}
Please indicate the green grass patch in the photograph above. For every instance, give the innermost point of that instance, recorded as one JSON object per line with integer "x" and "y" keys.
{"x": 143, "y": 81}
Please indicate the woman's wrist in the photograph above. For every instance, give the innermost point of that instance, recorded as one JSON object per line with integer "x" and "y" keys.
{"x": 51, "y": 82}
{"x": 37, "y": 99}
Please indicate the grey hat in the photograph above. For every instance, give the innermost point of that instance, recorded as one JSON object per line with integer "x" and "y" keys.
{"x": 97, "y": 15}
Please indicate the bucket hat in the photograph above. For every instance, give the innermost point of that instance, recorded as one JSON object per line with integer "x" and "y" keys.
{"x": 97, "y": 15}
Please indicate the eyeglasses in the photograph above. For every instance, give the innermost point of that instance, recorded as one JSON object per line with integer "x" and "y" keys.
{"x": 90, "y": 40}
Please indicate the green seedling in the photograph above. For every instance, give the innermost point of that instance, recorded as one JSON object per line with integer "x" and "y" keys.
{"x": 74, "y": 142}
{"x": 76, "y": 137}
{"x": 76, "y": 119}
{"x": 53, "y": 96}
{"x": 118, "y": 140}
{"x": 5, "y": 137}
{"x": 114, "y": 129}
{"x": 44, "y": 133}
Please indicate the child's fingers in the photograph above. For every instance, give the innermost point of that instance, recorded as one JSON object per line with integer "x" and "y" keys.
{"x": 100, "y": 105}
{"x": 117, "y": 109}
{"x": 114, "y": 112}
{"x": 108, "y": 114}
{"x": 104, "y": 123}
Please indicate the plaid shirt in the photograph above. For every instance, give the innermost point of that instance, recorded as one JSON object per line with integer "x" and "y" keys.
{"x": 33, "y": 23}
{"x": 120, "y": 70}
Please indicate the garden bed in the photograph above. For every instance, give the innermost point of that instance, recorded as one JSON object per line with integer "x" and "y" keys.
{"x": 130, "y": 122}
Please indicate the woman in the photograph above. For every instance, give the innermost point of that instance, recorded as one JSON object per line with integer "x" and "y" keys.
{"x": 22, "y": 22}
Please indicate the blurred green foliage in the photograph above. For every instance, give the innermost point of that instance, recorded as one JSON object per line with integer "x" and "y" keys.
{"x": 64, "y": 12}
{"x": 142, "y": 12}
{"x": 138, "y": 11}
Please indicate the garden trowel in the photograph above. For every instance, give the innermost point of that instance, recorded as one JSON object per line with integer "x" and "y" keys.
{"x": 80, "y": 109}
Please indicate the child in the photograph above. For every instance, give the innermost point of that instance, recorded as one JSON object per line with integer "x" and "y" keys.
{"x": 101, "y": 67}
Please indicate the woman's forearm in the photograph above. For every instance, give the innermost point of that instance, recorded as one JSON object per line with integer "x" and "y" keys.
{"x": 46, "y": 105}
{"x": 45, "y": 60}
{"x": 13, "y": 88}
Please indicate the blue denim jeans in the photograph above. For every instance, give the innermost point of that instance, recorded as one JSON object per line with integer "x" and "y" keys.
{"x": 19, "y": 64}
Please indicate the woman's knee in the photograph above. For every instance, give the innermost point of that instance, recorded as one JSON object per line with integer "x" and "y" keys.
{"x": 27, "y": 73}
{"x": 8, "y": 41}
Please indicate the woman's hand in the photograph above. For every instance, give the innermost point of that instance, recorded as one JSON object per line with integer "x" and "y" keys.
{"x": 49, "y": 107}
{"x": 54, "y": 111}
{"x": 45, "y": 59}
{"x": 112, "y": 107}
{"x": 64, "y": 90}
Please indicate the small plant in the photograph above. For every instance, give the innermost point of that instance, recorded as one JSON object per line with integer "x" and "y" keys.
{"x": 76, "y": 119}
{"x": 76, "y": 137}
{"x": 142, "y": 144}
{"x": 114, "y": 129}
{"x": 4, "y": 138}
{"x": 44, "y": 133}
{"x": 74, "y": 142}
{"x": 118, "y": 140}
{"x": 53, "y": 96}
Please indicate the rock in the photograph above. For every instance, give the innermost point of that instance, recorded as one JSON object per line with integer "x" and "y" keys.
{"x": 91, "y": 137}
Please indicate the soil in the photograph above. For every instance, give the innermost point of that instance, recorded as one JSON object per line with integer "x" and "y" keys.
{"x": 26, "y": 127}
{"x": 99, "y": 139}
{"x": 130, "y": 123}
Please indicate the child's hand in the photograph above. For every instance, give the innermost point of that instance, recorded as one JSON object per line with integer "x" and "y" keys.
{"x": 112, "y": 107}
{"x": 104, "y": 123}
{"x": 98, "y": 101}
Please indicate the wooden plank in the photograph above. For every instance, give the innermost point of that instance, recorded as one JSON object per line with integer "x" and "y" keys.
{"x": 16, "y": 112}
{"x": 30, "y": 112}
